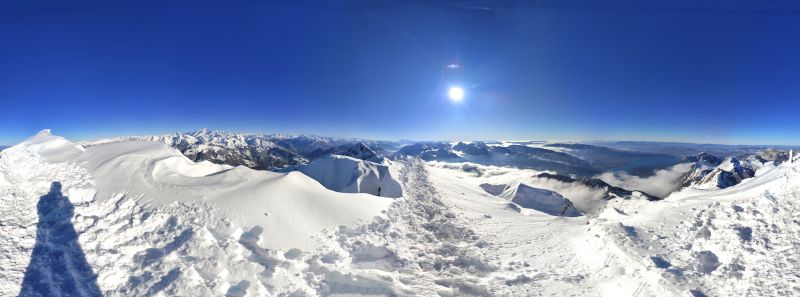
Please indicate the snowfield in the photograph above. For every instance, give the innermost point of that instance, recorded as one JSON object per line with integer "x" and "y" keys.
{"x": 134, "y": 218}
{"x": 350, "y": 175}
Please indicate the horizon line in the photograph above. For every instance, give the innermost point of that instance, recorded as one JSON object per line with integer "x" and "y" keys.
{"x": 401, "y": 140}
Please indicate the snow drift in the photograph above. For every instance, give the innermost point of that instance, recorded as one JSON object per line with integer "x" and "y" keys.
{"x": 162, "y": 175}
{"x": 152, "y": 222}
{"x": 542, "y": 200}
{"x": 350, "y": 175}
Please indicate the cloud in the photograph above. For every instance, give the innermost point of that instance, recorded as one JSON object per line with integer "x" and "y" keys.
{"x": 661, "y": 184}
{"x": 585, "y": 199}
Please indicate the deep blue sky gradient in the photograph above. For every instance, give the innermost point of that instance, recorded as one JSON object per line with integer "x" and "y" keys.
{"x": 697, "y": 71}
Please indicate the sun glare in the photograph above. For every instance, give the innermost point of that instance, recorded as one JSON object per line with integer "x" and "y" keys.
{"x": 455, "y": 93}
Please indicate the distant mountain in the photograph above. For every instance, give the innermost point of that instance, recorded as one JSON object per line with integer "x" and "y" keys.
{"x": 610, "y": 191}
{"x": 709, "y": 171}
{"x": 515, "y": 155}
{"x": 358, "y": 150}
{"x": 438, "y": 151}
{"x": 254, "y": 151}
{"x": 473, "y": 149}
{"x": 609, "y": 159}
{"x": 680, "y": 149}
{"x": 3, "y": 147}
{"x": 258, "y": 151}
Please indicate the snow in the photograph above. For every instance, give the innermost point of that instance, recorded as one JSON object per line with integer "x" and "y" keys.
{"x": 139, "y": 206}
{"x": 135, "y": 218}
{"x": 661, "y": 183}
{"x": 162, "y": 175}
{"x": 542, "y": 200}
{"x": 737, "y": 241}
{"x": 352, "y": 175}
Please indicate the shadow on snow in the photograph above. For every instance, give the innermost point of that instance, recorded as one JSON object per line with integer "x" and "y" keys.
{"x": 58, "y": 266}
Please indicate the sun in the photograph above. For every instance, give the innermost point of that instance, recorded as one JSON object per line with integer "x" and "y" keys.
{"x": 455, "y": 93}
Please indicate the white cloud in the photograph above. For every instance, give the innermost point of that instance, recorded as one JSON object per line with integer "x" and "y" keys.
{"x": 661, "y": 184}
{"x": 585, "y": 199}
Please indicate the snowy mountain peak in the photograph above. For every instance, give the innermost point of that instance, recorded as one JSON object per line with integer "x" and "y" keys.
{"x": 43, "y": 133}
{"x": 711, "y": 172}
{"x": 703, "y": 160}
{"x": 361, "y": 151}
{"x": 541, "y": 200}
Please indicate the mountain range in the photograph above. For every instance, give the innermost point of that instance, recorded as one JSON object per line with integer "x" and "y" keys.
{"x": 138, "y": 217}
{"x": 565, "y": 162}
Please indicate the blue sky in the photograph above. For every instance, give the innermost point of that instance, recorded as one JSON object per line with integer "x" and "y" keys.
{"x": 713, "y": 71}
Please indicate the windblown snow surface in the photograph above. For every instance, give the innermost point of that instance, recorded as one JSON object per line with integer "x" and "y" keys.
{"x": 139, "y": 219}
{"x": 351, "y": 175}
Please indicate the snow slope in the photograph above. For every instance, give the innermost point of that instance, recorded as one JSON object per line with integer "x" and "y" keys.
{"x": 542, "y": 200}
{"x": 149, "y": 220}
{"x": 351, "y": 175}
{"x": 138, "y": 219}
{"x": 739, "y": 241}
{"x": 275, "y": 201}
{"x": 743, "y": 240}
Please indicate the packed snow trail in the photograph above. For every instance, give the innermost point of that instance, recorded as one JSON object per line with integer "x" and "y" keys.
{"x": 419, "y": 249}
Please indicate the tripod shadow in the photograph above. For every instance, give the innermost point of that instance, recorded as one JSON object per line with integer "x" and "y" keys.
{"x": 58, "y": 266}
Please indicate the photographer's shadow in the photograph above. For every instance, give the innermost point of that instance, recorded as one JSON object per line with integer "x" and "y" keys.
{"x": 58, "y": 266}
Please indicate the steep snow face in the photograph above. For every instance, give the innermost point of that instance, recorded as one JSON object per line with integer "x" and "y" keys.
{"x": 53, "y": 148}
{"x": 350, "y": 175}
{"x": 541, "y": 200}
{"x": 729, "y": 173}
{"x": 360, "y": 151}
{"x": 709, "y": 172}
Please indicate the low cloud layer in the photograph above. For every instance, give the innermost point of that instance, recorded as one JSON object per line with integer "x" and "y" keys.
{"x": 584, "y": 198}
{"x": 661, "y": 184}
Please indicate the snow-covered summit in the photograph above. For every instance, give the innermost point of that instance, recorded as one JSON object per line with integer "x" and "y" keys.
{"x": 352, "y": 175}
{"x": 710, "y": 172}
{"x": 540, "y": 200}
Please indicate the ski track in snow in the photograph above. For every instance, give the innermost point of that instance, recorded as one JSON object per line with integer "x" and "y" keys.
{"x": 445, "y": 237}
